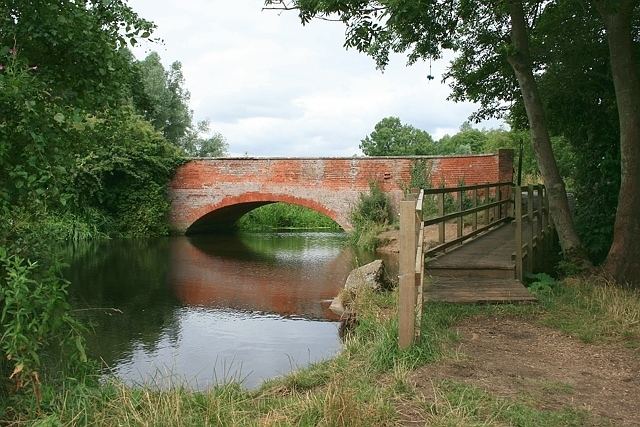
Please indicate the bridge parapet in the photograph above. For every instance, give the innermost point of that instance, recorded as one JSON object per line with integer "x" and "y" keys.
{"x": 213, "y": 193}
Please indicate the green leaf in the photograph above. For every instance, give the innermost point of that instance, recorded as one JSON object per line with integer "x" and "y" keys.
{"x": 80, "y": 347}
{"x": 59, "y": 117}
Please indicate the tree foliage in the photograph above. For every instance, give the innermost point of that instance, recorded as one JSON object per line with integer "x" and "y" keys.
{"x": 77, "y": 160}
{"x": 392, "y": 138}
{"x": 196, "y": 143}
{"x": 164, "y": 100}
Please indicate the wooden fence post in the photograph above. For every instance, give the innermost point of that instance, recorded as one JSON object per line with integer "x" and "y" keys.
{"x": 487, "y": 199}
{"x": 540, "y": 251}
{"x": 546, "y": 223}
{"x": 475, "y": 204}
{"x": 441, "y": 224}
{"x": 460, "y": 222}
{"x": 517, "y": 196}
{"x": 531, "y": 230}
{"x": 407, "y": 295}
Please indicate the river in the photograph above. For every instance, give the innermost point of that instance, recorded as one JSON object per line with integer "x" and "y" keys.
{"x": 199, "y": 311}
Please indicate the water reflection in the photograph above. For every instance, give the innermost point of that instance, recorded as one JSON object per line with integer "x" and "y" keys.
{"x": 271, "y": 273}
{"x": 204, "y": 308}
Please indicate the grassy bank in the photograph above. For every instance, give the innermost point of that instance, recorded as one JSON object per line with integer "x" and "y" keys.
{"x": 371, "y": 381}
{"x": 278, "y": 216}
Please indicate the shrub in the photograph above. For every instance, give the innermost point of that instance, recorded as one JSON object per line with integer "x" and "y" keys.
{"x": 370, "y": 216}
{"x": 372, "y": 208}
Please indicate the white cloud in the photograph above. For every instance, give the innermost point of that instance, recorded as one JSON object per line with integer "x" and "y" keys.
{"x": 274, "y": 87}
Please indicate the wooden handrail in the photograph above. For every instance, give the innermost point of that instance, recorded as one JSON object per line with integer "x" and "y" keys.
{"x": 439, "y": 190}
{"x": 441, "y": 247}
{"x": 465, "y": 212}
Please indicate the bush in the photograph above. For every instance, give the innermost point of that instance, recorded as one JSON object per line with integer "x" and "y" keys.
{"x": 372, "y": 208}
{"x": 370, "y": 216}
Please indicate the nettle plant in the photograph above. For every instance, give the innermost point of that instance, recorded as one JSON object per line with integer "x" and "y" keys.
{"x": 35, "y": 321}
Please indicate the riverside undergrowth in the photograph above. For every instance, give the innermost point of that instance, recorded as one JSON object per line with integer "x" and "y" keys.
{"x": 370, "y": 216}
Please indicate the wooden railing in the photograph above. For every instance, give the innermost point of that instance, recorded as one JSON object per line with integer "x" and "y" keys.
{"x": 494, "y": 199}
{"x": 534, "y": 230}
{"x": 411, "y": 269}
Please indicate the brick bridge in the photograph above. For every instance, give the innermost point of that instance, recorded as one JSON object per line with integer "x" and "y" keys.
{"x": 210, "y": 194}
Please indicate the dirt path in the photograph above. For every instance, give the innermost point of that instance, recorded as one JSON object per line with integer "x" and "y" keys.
{"x": 518, "y": 360}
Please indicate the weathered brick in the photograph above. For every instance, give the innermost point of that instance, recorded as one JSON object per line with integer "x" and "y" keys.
{"x": 233, "y": 186}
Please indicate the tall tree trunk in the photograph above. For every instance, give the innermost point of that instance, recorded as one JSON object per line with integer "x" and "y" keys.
{"x": 623, "y": 260}
{"x": 520, "y": 61}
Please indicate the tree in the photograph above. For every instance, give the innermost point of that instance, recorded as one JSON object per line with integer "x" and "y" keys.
{"x": 467, "y": 141}
{"x": 481, "y": 32}
{"x": 392, "y": 138}
{"x": 77, "y": 48}
{"x": 622, "y": 262}
{"x": 165, "y": 101}
{"x": 574, "y": 77}
{"x": 196, "y": 145}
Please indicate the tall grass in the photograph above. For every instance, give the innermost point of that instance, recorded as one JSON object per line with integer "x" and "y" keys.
{"x": 590, "y": 308}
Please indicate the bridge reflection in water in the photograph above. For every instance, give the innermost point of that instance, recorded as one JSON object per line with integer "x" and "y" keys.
{"x": 271, "y": 273}
{"x": 202, "y": 308}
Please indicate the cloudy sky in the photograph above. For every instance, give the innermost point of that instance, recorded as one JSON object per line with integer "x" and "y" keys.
{"x": 273, "y": 87}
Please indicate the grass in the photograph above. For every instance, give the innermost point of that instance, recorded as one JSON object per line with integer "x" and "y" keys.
{"x": 591, "y": 309}
{"x": 456, "y": 404}
{"x": 368, "y": 383}
{"x": 282, "y": 216}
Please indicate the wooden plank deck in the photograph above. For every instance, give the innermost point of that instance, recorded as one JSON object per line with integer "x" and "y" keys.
{"x": 480, "y": 270}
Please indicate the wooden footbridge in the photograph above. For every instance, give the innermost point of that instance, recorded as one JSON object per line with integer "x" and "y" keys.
{"x": 502, "y": 234}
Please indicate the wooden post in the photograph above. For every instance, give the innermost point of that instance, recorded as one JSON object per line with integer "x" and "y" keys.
{"x": 530, "y": 249}
{"x": 537, "y": 208}
{"x": 546, "y": 224}
{"x": 418, "y": 214}
{"x": 407, "y": 296}
{"x": 499, "y": 197}
{"x": 460, "y": 196}
{"x": 441, "y": 213}
{"x": 517, "y": 195}
{"x": 419, "y": 281}
{"x": 475, "y": 204}
{"x": 487, "y": 199}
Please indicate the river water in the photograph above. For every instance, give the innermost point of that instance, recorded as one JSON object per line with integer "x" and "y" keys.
{"x": 198, "y": 311}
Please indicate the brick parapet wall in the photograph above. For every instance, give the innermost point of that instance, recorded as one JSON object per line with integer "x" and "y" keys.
{"x": 329, "y": 185}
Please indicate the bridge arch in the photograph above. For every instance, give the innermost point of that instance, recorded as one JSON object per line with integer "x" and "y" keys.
{"x": 223, "y": 214}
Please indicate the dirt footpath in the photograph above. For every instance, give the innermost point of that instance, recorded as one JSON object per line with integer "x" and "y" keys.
{"x": 515, "y": 359}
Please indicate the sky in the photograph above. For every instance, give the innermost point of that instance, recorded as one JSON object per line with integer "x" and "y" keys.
{"x": 273, "y": 87}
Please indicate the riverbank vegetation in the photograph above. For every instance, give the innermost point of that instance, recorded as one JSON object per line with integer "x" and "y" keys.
{"x": 373, "y": 383}
{"x": 283, "y": 216}
{"x": 370, "y": 216}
